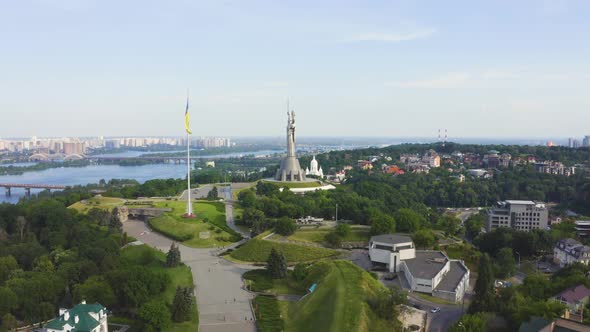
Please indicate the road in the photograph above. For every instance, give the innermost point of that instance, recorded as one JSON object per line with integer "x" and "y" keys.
{"x": 440, "y": 321}
{"x": 200, "y": 192}
{"x": 224, "y": 306}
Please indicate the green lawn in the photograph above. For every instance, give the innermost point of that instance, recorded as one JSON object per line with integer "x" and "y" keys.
{"x": 268, "y": 314}
{"x": 179, "y": 276}
{"x": 261, "y": 281}
{"x": 338, "y": 304}
{"x": 210, "y": 217}
{"x": 104, "y": 203}
{"x": 257, "y": 250}
{"x": 318, "y": 235}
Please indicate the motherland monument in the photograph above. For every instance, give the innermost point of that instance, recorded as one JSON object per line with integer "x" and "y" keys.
{"x": 290, "y": 169}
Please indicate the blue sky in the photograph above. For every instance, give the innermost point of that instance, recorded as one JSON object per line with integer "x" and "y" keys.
{"x": 350, "y": 68}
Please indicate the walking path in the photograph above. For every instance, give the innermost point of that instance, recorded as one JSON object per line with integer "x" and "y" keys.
{"x": 224, "y": 306}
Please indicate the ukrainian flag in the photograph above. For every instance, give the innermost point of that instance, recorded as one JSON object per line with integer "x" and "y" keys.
{"x": 187, "y": 119}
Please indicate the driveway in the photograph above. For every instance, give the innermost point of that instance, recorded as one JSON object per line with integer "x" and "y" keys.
{"x": 223, "y": 305}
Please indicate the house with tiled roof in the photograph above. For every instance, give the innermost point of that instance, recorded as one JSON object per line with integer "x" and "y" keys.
{"x": 568, "y": 251}
{"x": 575, "y": 298}
{"x": 81, "y": 318}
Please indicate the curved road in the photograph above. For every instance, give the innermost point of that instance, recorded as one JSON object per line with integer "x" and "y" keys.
{"x": 224, "y": 306}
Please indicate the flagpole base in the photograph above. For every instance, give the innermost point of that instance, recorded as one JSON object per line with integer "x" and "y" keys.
{"x": 189, "y": 216}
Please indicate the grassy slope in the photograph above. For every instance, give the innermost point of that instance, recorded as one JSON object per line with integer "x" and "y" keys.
{"x": 258, "y": 250}
{"x": 179, "y": 276}
{"x": 172, "y": 224}
{"x": 318, "y": 235}
{"x": 104, "y": 203}
{"x": 261, "y": 281}
{"x": 338, "y": 304}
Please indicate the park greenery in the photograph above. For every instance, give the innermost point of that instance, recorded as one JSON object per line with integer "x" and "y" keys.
{"x": 52, "y": 256}
{"x": 209, "y": 218}
{"x": 258, "y": 250}
{"x": 346, "y": 299}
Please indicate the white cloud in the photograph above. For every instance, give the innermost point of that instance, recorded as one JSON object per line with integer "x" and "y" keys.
{"x": 451, "y": 80}
{"x": 393, "y": 37}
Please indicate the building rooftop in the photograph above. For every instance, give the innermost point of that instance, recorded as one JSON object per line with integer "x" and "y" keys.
{"x": 86, "y": 323}
{"x": 391, "y": 238}
{"x": 427, "y": 264}
{"x": 519, "y": 202}
{"x": 450, "y": 281}
{"x": 574, "y": 294}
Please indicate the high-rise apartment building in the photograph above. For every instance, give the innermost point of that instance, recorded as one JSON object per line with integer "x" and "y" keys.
{"x": 518, "y": 215}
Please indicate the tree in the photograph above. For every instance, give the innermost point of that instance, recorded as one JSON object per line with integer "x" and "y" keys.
{"x": 382, "y": 224}
{"x": 7, "y": 265}
{"x": 21, "y": 223}
{"x": 9, "y": 322}
{"x": 182, "y": 306}
{"x": 285, "y": 226}
{"x": 474, "y": 224}
{"x": 95, "y": 289}
{"x": 385, "y": 303}
{"x": 333, "y": 239}
{"x": 343, "y": 230}
{"x": 173, "y": 256}
{"x": 484, "y": 299}
{"x": 155, "y": 314}
{"x": 251, "y": 215}
{"x": 407, "y": 220}
{"x": 450, "y": 224}
{"x": 423, "y": 238}
{"x": 213, "y": 194}
{"x": 300, "y": 271}
{"x": 277, "y": 264}
{"x": 8, "y": 300}
{"x": 471, "y": 323}
{"x": 43, "y": 264}
{"x": 115, "y": 225}
{"x": 505, "y": 264}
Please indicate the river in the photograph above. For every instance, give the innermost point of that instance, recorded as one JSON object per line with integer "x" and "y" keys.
{"x": 70, "y": 176}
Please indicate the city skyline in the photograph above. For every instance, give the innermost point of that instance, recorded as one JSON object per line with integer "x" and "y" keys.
{"x": 394, "y": 69}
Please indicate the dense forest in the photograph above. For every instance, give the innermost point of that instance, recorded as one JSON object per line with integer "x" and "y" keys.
{"x": 52, "y": 257}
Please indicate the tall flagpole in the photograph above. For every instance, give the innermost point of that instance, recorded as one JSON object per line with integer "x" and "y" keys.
{"x": 189, "y": 206}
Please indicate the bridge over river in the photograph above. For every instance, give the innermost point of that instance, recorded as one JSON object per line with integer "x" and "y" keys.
{"x": 28, "y": 187}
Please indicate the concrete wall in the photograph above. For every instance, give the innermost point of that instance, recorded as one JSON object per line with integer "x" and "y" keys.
{"x": 447, "y": 296}
{"x": 379, "y": 255}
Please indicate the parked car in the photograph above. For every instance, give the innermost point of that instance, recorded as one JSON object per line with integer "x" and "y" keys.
{"x": 435, "y": 310}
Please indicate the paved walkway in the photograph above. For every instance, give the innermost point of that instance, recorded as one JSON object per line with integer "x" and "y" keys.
{"x": 223, "y": 305}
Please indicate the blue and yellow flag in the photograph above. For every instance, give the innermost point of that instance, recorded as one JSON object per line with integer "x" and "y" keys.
{"x": 187, "y": 119}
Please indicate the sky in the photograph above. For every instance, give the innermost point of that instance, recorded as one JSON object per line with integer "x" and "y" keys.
{"x": 349, "y": 68}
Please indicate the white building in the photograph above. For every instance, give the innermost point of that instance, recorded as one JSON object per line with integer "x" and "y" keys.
{"x": 568, "y": 251}
{"x": 82, "y": 317}
{"x": 426, "y": 271}
{"x": 314, "y": 169}
{"x": 519, "y": 215}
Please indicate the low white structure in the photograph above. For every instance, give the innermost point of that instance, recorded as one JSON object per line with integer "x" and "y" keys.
{"x": 426, "y": 271}
{"x": 568, "y": 251}
{"x": 82, "y": 317}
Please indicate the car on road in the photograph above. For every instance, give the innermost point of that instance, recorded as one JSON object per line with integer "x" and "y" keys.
{"x": 435, "y": 310}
